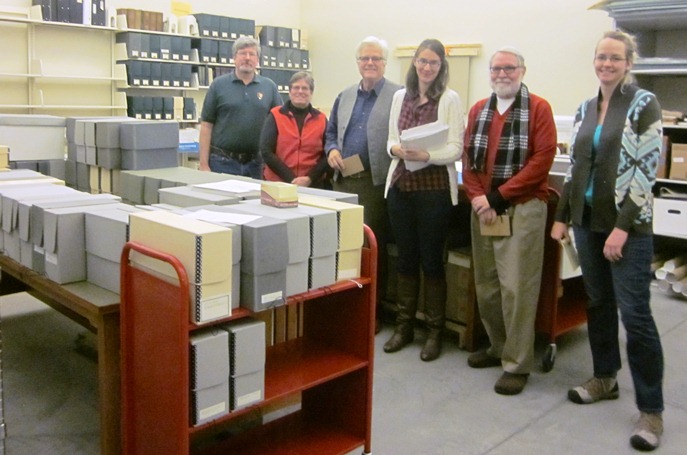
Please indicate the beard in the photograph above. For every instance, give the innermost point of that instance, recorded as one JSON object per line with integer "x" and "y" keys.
{"x": 505, "y": 89}
{"x": 245, "y": 69}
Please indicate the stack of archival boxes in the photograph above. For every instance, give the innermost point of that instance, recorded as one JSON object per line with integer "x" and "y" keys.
{"x": 98, "y": 148}
{"x": 277, "y": 252}
{"x": 43, "y": 223}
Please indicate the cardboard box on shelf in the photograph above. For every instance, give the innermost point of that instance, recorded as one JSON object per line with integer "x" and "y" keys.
{"x": 678, "y": 162}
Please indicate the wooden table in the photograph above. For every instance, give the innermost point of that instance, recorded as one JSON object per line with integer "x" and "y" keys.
{"x": 97, "y": 310}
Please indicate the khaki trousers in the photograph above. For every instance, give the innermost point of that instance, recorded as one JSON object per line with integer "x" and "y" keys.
{"x": 507, "y": 282}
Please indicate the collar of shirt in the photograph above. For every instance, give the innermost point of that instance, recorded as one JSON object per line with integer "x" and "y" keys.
{"x": 235, "y": 78}
{"x": 374, "y": 91}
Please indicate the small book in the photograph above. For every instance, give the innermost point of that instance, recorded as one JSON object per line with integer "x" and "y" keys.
{"x": 352, "y": 165}
{"x": 500, "y": 227}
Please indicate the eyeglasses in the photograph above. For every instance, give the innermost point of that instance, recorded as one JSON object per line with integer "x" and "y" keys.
{"x": 611, "y": 58}
{"x": 297, "y": 88}
{"x": 373, "y": 59}
{"x": 423, "y": 61}
{"x": 495, "y": 70}
{"x": 246, "y": 53}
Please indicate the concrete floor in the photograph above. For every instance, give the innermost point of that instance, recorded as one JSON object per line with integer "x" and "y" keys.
{"x": 437, "y": 408}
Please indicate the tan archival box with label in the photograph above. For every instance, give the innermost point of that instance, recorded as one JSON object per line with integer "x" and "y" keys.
{"x": 203, "y": 248}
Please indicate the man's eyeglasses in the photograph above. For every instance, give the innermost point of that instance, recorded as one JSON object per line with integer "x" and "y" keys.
{"x": 423, "y": 61}
{"x": 611, "y": 58}
{"x": 247, "y": 53}
{"x": 495, "y": 70}
{"x": 373, "y": 59}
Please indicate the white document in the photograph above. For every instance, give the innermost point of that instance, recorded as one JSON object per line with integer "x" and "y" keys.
{"x": 221, "y": 217}
{"x": 430, "y": 136}
{"x": 231, "y": 186}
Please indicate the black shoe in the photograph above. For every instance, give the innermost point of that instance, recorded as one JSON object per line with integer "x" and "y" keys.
{"x": 483, "y": 360}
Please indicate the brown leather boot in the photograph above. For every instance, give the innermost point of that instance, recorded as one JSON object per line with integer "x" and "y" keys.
{"x": 435, "y": 309}
{"x": 406, "y": 302}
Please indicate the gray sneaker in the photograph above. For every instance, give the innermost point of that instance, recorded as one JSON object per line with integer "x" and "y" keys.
{"x": 648, "y": 431}
{"x": 594, "y": 390}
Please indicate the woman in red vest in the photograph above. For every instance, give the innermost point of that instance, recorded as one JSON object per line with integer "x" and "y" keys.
{"x": 292, "y": 138}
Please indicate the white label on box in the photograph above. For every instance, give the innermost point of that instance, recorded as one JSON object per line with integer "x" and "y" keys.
{"x": 213, "y": 410}
{"x": 460, "y": 260}
{"x": 347, "y": 274}
{"x": 678, "y": 159}
{"x": 272, "y": 297}
{"x": 215, "y": 308}
{"x": 249, "y": 398}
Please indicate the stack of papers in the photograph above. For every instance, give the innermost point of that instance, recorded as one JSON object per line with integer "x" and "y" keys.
{"x": 430, "y": 136}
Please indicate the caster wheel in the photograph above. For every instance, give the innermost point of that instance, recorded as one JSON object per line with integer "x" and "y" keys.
{"x": 549, "y": 358}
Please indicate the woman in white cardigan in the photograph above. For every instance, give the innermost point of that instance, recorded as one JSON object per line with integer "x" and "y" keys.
{"x": 421, "y": 188}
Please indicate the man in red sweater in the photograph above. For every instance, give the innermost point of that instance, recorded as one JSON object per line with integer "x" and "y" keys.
{"x": 510, "y": 142}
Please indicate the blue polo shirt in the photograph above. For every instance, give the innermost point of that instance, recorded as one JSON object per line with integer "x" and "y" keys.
{"x": 237, "y": 111}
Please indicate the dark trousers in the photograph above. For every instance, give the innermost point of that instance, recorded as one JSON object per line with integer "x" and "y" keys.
{"x": 622, "y": 285}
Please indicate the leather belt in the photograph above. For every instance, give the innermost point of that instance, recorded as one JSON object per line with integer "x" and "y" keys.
{"x": 242, "y": 158}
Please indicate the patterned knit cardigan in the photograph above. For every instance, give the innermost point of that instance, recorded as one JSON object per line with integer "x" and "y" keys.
{"x": 624, "y": 167}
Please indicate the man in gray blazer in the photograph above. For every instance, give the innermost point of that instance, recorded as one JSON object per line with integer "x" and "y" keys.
{"x": 359, "y": 125}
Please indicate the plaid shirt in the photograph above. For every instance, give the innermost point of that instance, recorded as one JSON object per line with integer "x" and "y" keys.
{"x": 431, "y": 177}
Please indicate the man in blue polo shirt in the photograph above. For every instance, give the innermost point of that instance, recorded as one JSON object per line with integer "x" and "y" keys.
{"x": 234, "y": 110}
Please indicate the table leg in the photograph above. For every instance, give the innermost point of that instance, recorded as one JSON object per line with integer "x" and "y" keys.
{"x": 109, "y": 375}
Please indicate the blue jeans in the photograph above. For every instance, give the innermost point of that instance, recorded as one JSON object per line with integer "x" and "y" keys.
{"x": 224, "y": 165}
{"x": 622, "y": 285}
{"x": 419, "y": 221}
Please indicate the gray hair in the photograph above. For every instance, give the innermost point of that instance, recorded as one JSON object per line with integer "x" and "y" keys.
{"x": 303, "y": 75}
{"x": 245, "y": 42}
{"x": 374, "y": 42}
{"x": 509, "y": 50}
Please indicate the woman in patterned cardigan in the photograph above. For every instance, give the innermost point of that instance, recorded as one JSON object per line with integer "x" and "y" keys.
{"x": 607, "y": 198}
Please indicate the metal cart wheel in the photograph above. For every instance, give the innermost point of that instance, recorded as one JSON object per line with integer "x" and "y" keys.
{"x": 549, "y": 358}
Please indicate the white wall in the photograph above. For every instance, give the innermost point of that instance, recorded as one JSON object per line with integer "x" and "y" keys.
{"x": 557, "y": 38}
